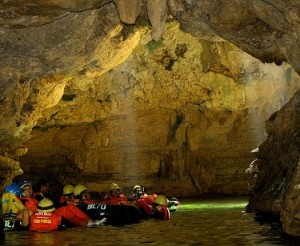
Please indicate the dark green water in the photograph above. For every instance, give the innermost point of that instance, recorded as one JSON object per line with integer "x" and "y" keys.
{"x": 201, "y": 222}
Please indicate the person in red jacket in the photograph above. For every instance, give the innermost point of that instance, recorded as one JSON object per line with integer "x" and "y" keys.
{"x": 115, "y": 197}
{"x": 69, "y": 209}
{"x": 143, "y": 200}
{"x": 160, "y": 208}
{"x": 45, "y": 219}
{"x": 27, "y": 198}
{"x": 29, "y": 202}
{"x": 68, "y": 195}
{"x": 82, "y": 194}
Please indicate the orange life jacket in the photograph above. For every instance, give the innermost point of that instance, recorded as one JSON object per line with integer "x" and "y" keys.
{"x": 66, "y": 199}
{"x": 143, "y": 205}
{"x": 43, "y": 221}
{"x": 88, "y": 201}
{"x": 30, "y": 203}
{"x": 149, "y": 199}
{"x": 166, "y": 212}
{"x": 161, "y": 212}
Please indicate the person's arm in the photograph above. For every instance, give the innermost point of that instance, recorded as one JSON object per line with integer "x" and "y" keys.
{"x": 123, "y": 200}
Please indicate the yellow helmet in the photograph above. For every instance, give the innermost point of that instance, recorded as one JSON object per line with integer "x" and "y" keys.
{"x": 137, "y": 187}
{"x": 161, "y": 200}
{"x": 46, "y": 205}
{"x": 114, "y": 186}
{"x": 68, "y": 189}
{"x": 78, "y": 189}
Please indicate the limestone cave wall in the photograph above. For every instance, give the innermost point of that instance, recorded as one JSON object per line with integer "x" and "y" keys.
{"x": 275, "y": 172}
{"x": 173, "y": 94}
{"x": 184, "y": 111}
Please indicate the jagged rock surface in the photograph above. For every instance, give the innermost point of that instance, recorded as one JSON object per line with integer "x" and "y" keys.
{"x": 276, "y": 169}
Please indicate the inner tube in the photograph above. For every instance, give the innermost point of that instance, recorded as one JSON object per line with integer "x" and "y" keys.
{"x": 115, "y": 214}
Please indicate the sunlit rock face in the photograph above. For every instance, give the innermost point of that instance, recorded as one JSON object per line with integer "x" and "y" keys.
{"x": 39, "y": 60}
{"x": 153, "y": 92}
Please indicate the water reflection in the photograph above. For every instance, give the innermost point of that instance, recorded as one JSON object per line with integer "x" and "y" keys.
{"x": 201, "y": 222}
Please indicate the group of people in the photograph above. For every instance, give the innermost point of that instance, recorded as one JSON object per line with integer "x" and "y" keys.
{"x": 23, "y": 209}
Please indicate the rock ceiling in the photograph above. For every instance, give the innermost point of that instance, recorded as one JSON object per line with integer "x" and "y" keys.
{"x": 268, "y": 30}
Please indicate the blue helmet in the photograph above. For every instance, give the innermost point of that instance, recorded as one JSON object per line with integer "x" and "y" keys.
{"x": 24, "y": 183}
{"x": 13, "y": 188}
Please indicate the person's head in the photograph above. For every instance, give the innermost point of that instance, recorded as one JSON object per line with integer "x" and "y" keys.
{"x": 46, "y": 205}
{"x": 13, "y": 188}
{"x": 43, "y": 186}
{"x": 114, "y": 190}
{"x": 27, "y": 189}
{"x": 138, "y": 190}
{"x": 81, "y": 192}
{"x": 68, "y": 190}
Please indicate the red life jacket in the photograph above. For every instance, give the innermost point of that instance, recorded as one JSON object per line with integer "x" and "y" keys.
{"x": 162, "y": 213}
{"x": 66, "y": 200}
{"x": 149, "y": 199}
{"x": 120, "y": 200}
{"x": 42, "y": 221}
{"x": 142, "y": 204}
{"x": 145, "y": 203}
{"x": 30, "y": 203}
{"x": 88, "y": 201}
{"x": 166, "y": 212}
{"x": 73, "y": 214}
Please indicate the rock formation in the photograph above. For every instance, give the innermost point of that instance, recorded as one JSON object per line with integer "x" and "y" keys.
{"x": 171, "y": 94}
